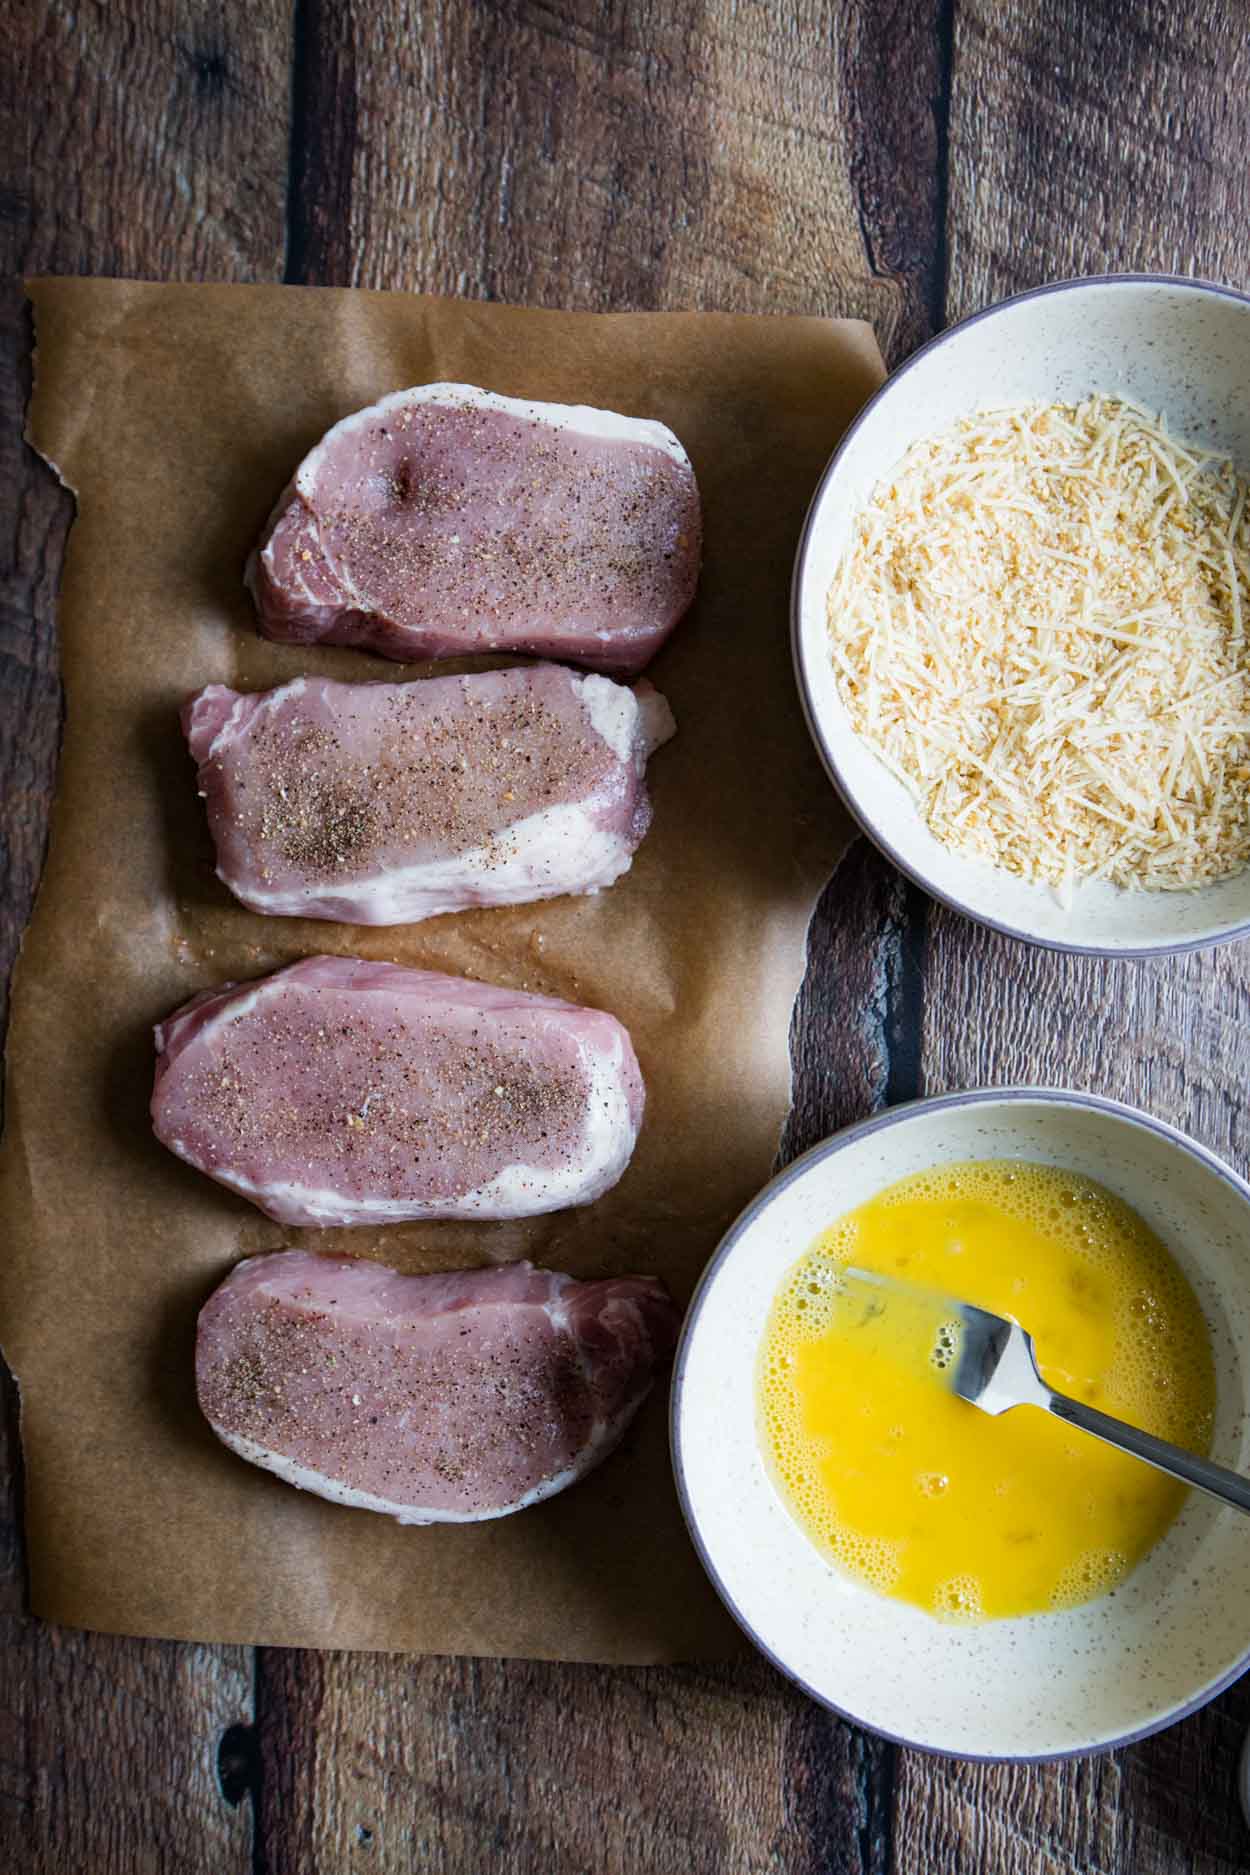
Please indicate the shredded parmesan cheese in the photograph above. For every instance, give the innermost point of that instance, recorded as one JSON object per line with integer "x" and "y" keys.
{"x": 1039, "y": 627}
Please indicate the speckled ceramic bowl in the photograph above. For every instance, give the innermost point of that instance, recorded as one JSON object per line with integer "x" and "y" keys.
{"x": 1168, "y": 1639}
{"x": 1180, "y": 346}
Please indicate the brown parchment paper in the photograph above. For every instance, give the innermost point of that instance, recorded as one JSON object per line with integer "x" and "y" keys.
{"x": 176, "y": 414}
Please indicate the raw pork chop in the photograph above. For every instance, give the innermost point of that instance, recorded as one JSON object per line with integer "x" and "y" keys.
{"x": 437, "y": 1399}
{"x": 385, "y": 803}
{"x": 343, "y": 1092}
{"x": 446, "y": 520}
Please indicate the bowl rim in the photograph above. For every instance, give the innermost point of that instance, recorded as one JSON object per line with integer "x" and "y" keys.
{"x": 825, "y": 752}
{"x": 816, "y": 1155}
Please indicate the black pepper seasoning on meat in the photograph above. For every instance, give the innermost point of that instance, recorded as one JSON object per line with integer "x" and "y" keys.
{"x": 520, "y": 539}
{"x": 331, "y": 795}
{"x": 459, "y": 1395}
{"x": 412, "y": 1115}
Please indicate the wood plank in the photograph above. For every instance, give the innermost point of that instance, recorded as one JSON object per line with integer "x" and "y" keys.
{"x": 1090, "y": 136}
{"x": 128, "y": 146}
{"x": 709, "y": 153}
{"x": 1087, "y": 138}
{"x": 731, "y": 155}
{"x": 522, "y": 1766}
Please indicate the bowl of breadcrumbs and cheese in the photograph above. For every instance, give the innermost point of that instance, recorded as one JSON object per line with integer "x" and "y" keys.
{"x": 1022, "y": 616}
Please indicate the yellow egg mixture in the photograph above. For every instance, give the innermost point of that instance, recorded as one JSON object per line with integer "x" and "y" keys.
{"x": 926, "y": 1497}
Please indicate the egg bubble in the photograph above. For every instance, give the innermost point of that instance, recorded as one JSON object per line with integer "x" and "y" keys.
{"x": 805, "y": 1308}
{"x": 874, "y": 1559}
{"x": 959, "y": 1599}
{"x": 946, "y": 1345}
{"x": 1093, "y": 1573}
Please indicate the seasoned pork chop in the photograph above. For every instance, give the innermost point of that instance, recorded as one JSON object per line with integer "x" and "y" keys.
{"x": 387, "y": 803}
{"x": 343, "y": 1092}
{"x": 435, "y": 1399}
{"x": 447, "y": 520}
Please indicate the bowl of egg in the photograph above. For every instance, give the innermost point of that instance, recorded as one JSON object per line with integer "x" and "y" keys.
{"x": 1021, "y": 616}
{"x": 989, "y": 1587}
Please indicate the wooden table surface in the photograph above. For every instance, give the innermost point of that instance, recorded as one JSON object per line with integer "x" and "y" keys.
{"x": 903, "y": 160}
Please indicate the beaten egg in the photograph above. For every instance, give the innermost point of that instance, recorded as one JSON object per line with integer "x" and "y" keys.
{"x": 923, "y": 1496}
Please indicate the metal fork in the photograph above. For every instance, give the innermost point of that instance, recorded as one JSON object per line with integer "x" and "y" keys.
{"x": 995, "y": 1368}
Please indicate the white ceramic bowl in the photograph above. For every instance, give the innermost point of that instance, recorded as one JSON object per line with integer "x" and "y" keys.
{"x": 1167, "y": 1640}
{"x": 1180, "y": 346}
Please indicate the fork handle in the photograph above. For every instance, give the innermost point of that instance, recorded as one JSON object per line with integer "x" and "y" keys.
{"x": 1227, "y": 1485}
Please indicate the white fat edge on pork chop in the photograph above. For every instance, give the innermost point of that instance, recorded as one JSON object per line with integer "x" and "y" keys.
{"x": 634, "y": 720}
{"x": 607, "y": 1434}
{"x": 522, "y": 862}
{"x": 583, "y": 419}
{"x": 656, "y": 718}
{"x": 239, "y": 999}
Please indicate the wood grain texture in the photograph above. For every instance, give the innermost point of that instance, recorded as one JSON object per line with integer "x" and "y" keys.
{"x": 1095, "y": 137}
{"x": 634, "y": 154}
{"x": 518, "y": 1767}
{"x": 130, "y": 143}
{"x": 702, "y": 153}
{"x": 1087, "y": 139}
{"x": 854, "y": 1038}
